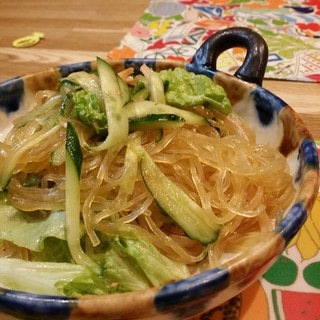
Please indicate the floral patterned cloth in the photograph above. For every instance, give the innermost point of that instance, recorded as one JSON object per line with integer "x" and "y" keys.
{"x": 176, "y": 28}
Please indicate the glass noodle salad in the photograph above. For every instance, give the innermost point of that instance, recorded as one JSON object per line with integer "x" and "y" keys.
{"x": 122, "y": 182}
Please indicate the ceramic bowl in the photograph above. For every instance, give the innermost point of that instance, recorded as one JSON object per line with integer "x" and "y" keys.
{"x": 275, "y": 123}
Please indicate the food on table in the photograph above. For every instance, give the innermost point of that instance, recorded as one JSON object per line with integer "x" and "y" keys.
{"x": 121, "y": 182}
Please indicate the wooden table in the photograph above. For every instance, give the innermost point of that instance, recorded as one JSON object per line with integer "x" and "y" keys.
{"x": 81, "y": 30}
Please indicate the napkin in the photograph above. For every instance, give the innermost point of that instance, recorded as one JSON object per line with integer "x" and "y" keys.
{"x": 174, "y": 29}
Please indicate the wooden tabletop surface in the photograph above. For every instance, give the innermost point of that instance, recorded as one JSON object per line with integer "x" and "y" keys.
{"x": 76, "y": 31}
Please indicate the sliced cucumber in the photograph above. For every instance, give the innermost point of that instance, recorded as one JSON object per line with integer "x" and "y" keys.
{"x": 118, "y": 126}
{"x": 156, "y": 121}
{"x": 125, "y": 93}
{"x": 159, "y": 135}
{"x": 73, "y": 151}
{"x": 57, "y": 157}
{"x": 66, "y": 85}
{"x": 140, "y": 109}
{"x": 141, "y": 95}
{"x": 156, "y": 88}
{"x": 177, "y": 204}
{"x": 73, "y": 172}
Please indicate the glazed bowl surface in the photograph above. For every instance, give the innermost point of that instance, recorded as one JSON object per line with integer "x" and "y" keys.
{"x": 275, "y": 124}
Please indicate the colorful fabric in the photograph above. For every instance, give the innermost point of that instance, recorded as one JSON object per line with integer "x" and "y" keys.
{"x": 174, "y": 29}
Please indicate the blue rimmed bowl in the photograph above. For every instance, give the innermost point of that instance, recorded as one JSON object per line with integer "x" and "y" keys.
{"x": 274, "y": 122}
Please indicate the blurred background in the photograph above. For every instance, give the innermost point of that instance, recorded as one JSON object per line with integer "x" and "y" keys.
{"x": 74, "y": 31}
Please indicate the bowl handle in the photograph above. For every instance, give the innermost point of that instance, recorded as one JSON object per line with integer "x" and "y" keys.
{"x": 254, "y": 66}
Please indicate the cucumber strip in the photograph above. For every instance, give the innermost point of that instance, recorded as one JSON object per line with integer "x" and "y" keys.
{"x": 140, "y": 109}
{"x": 118, "y": 126}
{"x": 72, "y": 204}
{"x": 131, "y": 162}
{"x": 87, "y": 81}
{"x": 73, "y": 150}
{"x": 66, "y": 85}
{"x": 124, "y": 90}
{"x": 156, "y": 121}
{"x": 156, "y": 88}
{"x": 66, "y": 103}
{"x": 141, "y": 95}
{"x": 159, "y": 135}
{"x": 177, "y": 204}
{"x": 57, "y": 157}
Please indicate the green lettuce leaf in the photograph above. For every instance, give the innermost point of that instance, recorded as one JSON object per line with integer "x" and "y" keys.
{"x": 87, "y": 109}
{"x": 122, "y": 271}
{"x": 28, "y": 230}
{"x": 157, "y": 267}
{"x": 54, "y": 250}
{"x": 36, "y": 277}
{"x": 86, "y": 283}
{"x": 187, "y": 89}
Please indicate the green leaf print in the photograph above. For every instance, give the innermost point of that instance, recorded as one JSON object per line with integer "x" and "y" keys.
{"x": 311, "y": 274}
{"x": 284, "y": 272}
{"x": 285, "y": 45}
